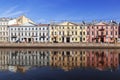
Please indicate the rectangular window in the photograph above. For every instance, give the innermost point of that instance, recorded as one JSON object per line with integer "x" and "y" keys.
{"x": 59, "y": 33}
{"x": 83, "y": 33}
{"x": 107, "y": 33}
{"x": 76, "y": 39}
{"x": 87, "y": 33}
{"x": 80, "y": 39}
{"x": 116, "y": 33}
{"x": 92, "y": 33}
{"x": 84, "y": 39}
{"x": 111, "y": 32}
{"x": 76, "y": 32}
{"x": 97, "y": 32}
{"x": 80, "y": 33}
{"x": 72, "y": 32}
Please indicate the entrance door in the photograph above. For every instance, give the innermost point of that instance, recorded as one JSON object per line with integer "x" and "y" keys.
{"x": 29, "y": 40}
{"x": 102, "y": 39}
{"x": 68, "y": 39}
{"x": 63, "y": 39}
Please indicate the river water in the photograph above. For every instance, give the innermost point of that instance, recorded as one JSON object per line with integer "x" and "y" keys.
{"x": 59, "y": 64}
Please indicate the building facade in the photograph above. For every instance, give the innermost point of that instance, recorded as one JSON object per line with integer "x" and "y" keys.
{"x": 20, "y": 20}
{"x": 29, "y": 33}
{"x": 4, "y": 29}
{"x": 67, "y": 32}
{"x": 102, "y": 32}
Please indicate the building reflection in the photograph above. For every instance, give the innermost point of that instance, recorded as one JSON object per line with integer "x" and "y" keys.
{"x": 68, "y": 60}
{"x": 21, "y": 60}
{"x": 103, "y": 60}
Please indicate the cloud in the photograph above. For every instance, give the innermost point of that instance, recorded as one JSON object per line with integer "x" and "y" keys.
{"x": 13, "y": 11}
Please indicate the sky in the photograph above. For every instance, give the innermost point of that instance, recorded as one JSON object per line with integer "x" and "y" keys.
{"x": 42, "y": 11}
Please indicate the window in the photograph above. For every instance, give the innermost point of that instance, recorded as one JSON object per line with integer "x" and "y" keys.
{"x": 76, "y": 32}
{"x": 39, "y": 34}
{"x": 83, "y": 33}
{"x": 92, "y": 33}
{"x": 59, "y": 33}
{"x": 92, "y": 27}
{"x": 116, "y": 33}
{"x": 80, "y": 33}
{"x": 72, "y": 38}
{"x": 111, "y": 32}
{"x": 84, "y": 39}
{"x": 76, "y": 39}
{"x": 72, "y": 32}
{"x": 80, "y": 27}
{"x": 52, "y": 33}
{"x": 72, "y": 27}
{"x": 106, "y": 27}
{"x": 80, "y": 39}
{"x": 106, "y": 32}
{"x": 55, "y": 33}
{"x": 111, "y": 27}
{"x": 76, "y": 27}
{"x": 52, "y": 27}
{"x": 32, "y": 28}
{"x": 97, "y": 32}
{"x": 97, "y": 27}
{"x": 87, "y": 33}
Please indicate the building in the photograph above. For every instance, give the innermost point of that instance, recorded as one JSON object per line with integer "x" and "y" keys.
{"x": 29, "y": 33}
{"x": 20, "y": 20}
{"x": 67, "y": 32}
{"x": 4, "y": 22}
{"x": 102, "y": 32}
{"x": 4, "y": 29}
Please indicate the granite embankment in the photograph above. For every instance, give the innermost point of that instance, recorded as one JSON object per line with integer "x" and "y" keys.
{"x": 61, "y": 45}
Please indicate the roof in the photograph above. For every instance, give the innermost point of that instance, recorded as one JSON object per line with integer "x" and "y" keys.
{"x": 43, "y": 24}
{"x": 101, "y": 24}
{"x": 25, "y": 24}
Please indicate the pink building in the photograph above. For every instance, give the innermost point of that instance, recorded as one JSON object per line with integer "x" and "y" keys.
{"x": 102, "y": 32}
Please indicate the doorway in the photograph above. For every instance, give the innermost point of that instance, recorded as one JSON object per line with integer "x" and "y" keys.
{"x": 29, "y": 40}
{"x": 68, "y": 39}
{"x": 63, "y": 39}
{"x": 102, "y": 39}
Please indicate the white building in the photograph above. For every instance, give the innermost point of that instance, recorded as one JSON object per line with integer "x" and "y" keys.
{"x": 4, "y": 29}
{"x": 29, "y": 33}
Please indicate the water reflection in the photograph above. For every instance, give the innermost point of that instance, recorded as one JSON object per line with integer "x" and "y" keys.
{"x": 21, "y": 60}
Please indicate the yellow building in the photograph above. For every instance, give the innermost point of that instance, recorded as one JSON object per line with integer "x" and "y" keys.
{"x": 67, "y": 32}
{"x": 20, "y": 21}
{"x": 23, "y": 20}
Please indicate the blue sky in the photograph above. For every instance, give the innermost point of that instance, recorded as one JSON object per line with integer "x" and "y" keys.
{"x": 48, "y": 10}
